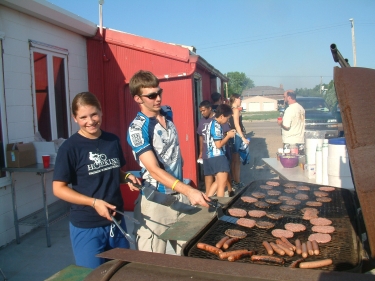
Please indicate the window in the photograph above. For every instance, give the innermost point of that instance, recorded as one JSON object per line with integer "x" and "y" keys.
{"x": 49, "y": 70}
{"x": 4, "y": 179}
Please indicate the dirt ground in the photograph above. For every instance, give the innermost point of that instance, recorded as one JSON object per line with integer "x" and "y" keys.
{"x": 265, "y": 139}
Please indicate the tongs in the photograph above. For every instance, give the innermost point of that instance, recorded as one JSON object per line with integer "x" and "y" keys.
{"x": 127, "y": 236}
{"x": 126, "y": 216}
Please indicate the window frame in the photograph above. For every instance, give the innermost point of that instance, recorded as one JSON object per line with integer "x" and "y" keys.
{"x": 6, "y": 180}
{"x": 50, "y": 51}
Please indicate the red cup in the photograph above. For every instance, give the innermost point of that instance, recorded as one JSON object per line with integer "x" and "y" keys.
{"x": 279, "y": 118}
{"x": 46, "y": 160}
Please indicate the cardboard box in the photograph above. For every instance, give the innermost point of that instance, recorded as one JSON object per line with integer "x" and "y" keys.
{"x": 20, "y": 155}
{"x": 45, "y": 148}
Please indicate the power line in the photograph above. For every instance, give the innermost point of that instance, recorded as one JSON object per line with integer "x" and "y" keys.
{"x": 272, "y": 37}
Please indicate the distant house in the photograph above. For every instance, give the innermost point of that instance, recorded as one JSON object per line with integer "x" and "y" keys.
{"x": 258, "y": 103}
{"x": 267, "y": 92}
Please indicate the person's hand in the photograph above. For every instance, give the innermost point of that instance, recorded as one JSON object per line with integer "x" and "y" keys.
{"x": 231, "y": 133}
{"x": 133, "y": 180}
{"x": 101, "y": 207}
{"x": 245, "y": 140}
{"x": 279, "y": 121}
{"x": 197, "y": 198}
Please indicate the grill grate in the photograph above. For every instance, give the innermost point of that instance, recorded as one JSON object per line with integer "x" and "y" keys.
{"x": 342, "y": 249}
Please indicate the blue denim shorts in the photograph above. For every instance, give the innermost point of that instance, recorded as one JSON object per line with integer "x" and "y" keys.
{"x": 214, "y": 165}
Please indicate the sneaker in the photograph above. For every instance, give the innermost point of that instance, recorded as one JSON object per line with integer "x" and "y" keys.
{"x": 231, "y": 193}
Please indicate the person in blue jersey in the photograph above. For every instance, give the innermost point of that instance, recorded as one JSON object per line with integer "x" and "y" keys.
{"x": 155, "y": 145}
{"x": 217, "y": 163}
{"x": 91, "y": 160}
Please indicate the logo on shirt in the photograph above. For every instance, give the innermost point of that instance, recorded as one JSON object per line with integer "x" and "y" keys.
{"x": 101, "y": 163}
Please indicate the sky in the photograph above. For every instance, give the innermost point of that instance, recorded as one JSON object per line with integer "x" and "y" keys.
{"x": 274, "y": 42}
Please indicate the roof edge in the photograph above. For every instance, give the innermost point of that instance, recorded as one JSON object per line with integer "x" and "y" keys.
{"x": 51, "y": 13}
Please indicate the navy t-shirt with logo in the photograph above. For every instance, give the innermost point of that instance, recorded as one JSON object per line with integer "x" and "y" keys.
{"x": 92, "y": 167}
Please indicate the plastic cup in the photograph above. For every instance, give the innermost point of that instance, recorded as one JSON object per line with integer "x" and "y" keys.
{"x": 279, "y": 118}
{"x": 46, "y": 160}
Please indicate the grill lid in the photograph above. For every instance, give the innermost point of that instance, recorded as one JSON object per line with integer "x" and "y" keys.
{"x": 355, "y": 93}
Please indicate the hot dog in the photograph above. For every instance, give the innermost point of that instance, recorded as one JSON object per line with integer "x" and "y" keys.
{"x": 298, "y": 247}
{"x": 268, "y": 247}
{"x": 267, "y": 259}
{"x": 304, "y": 250}
{"x": 277, "y": 249}
{"x": 225, "y": 255}
{"x": 288, "y": 251}
{"x": 229, "y": 242}
{"x": 286, "y": 241}
{"x": 315, "y": 247}
{"x": 296, "y": 263}
{"x": 310, "y": 250}
{"x": 279, "y": 242}
{"x": 238, "y": 256}
{"x": 315, "y": 264}
{"x": 221, "y": 242}
{"x": 209, "y": 248}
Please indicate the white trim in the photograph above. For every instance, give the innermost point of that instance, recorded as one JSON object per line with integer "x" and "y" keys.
{"x": 4, "y": 130}
{"x": 47, "y": 47}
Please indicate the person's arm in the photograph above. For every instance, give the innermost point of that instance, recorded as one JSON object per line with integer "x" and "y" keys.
{"x": 200, "y": 147}
{"x": 151, "y": 164}
{"x": 64, "y": 192}
{"x": 222, "y": 142}
{"x": 236, "y": 121}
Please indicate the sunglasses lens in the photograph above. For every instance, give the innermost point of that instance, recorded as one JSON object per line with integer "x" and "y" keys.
{"x": 154, "y": 95}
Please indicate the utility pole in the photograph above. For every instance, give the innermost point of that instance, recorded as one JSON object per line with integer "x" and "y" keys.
{"x": 353, "y": 43}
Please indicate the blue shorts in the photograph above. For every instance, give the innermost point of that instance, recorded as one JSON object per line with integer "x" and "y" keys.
{"x": 88, "y": 242}
{"x": 214, "y": 165}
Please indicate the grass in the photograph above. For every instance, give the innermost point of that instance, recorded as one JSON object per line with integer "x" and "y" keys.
{"x": 260, "y": 115}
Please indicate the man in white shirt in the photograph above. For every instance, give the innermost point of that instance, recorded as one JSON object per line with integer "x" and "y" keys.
{"x": 293, "y": 123}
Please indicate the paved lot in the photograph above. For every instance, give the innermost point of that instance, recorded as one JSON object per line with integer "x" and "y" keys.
{"x": 265, "y": 139}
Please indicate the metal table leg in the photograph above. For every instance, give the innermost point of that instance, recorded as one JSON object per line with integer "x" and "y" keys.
{"x": 14, "y": 201}
{"x": 45, "y": 206}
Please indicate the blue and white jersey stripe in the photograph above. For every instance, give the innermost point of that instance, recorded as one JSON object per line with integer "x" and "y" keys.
{"x": 214, "y": 133}
{"x": 146, "y": 133}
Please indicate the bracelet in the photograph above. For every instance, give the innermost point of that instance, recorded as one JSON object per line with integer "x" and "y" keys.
{"x": 174, "y": 185}
{"x": 128, "y": 174}
{"x": 93, "y": 203}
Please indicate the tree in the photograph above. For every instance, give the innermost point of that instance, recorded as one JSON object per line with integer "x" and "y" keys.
{"x": 330, "y": 96}
{"x": 238, "y": 82}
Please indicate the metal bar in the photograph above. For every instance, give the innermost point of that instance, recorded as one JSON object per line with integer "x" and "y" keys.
{"x": 14, "y": 201}
{"x": 45, "y": 206}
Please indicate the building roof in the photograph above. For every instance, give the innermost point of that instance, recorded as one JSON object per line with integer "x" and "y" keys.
{"x": 53, "y": 14}
{"x": 263, "y": 91}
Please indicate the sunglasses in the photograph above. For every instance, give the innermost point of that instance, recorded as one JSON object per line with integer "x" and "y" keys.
{"x": 153, "y": 96}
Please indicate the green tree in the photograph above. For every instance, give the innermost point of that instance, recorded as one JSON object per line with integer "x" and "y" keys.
{"x": 238, "y": 82}
{"x": 330, "y": 95}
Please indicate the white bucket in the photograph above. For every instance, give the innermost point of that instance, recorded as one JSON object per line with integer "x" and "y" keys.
{"x": 310, "y": 149}
{"x": 345, "y": 182}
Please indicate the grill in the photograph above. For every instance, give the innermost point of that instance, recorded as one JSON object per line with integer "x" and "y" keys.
{"x": 344, "y": 248}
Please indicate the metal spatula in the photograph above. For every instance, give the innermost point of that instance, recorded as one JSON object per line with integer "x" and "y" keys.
{"x": 219, "y": 212}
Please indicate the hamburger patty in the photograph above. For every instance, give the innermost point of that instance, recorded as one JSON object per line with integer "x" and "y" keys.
{"x": 246, "y": 222}
{"x": 295, "y": 227}
{"x": 320, "y": 237}
{"x": 236, "y": 212}
{"x": 282, "y": 233}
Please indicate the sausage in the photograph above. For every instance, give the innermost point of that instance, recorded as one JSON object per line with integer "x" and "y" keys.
{"x": 267, "y": 259}
{"x": 296, "y": 263}
{"x": 279, "y": 242}
{"x": 225, "y": 255}
{"x": 315, "y": 247}
{"x": 298, "y": 247}
{"x": 286, "y": 241}
{"x": 221, "y": 242}
{"x": 238, "y": 256}
{"x": 309, "y": 248}
{"x": 209, "y": 248}
{"x": 304, "y": 250}
{"x": 268, "y": 247}
{"x": 277, "y": 249}
{"x": 288, "y": 251}
{"x": 229, "y": 242}
{"x": 315, "y": 264}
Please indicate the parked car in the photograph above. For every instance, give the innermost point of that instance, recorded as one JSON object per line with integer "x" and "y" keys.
{"x": 318, "y": 116}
